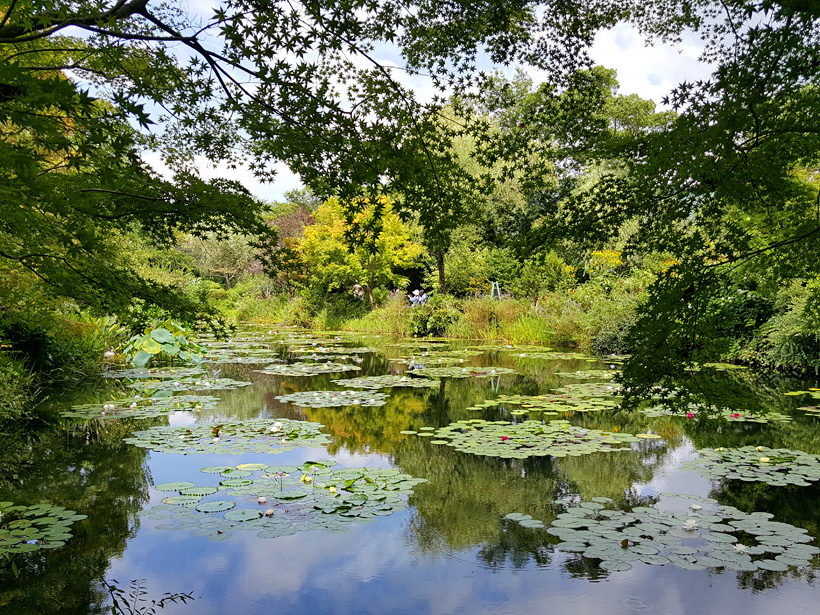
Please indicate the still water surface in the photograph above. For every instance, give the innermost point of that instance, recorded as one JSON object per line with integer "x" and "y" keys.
{"x": 451, "y": 551}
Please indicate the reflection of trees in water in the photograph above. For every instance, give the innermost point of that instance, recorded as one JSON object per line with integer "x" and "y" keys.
{"x": 89, "y": 470}
{"x": 466, "y": 497}
{"x": 518, "y": 545}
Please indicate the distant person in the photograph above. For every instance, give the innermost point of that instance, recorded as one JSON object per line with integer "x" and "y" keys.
{"x": 358, "y": 292}
{"x": 423, "y": 298}
{"x": 414, "y": 298}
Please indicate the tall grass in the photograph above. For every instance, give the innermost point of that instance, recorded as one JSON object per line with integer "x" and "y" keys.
{"x": 390, "y": 320}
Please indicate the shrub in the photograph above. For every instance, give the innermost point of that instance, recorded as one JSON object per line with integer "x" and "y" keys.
{"x": 435, "y": 317}
{"x": 17, "y": 388}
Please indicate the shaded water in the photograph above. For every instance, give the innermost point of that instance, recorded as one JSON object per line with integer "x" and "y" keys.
{"x": 451, "y": 551}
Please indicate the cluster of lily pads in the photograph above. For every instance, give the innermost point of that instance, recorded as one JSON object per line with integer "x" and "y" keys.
{"x": 703, "y": 536}
{"x": 548, "y": 405}
{"x": 584, "y": 374}
{"x": 774, "y": 466}
{"x": 712, "y": 412}
{"x": 232, "y": 438}
{"x": 335, "y": 350}
{"x": 30, "y": 528}
{"x": 191, "y": 383}
{"x": 464, "y": 372}
{"x": 142, "y": 407}
{"x": 277, "y": 501}
{"x": 308, "y": 369}
{"x": 387, "y": 381}
{"x": 528, "y": 438}
{"x": 332, "y": 399}
{"x": 154, "y": 373}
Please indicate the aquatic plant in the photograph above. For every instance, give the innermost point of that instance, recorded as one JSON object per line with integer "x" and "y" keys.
{"x": 386, "y": 381}
{"x": 527, "y": 439}
{"x": 30, "y": 528}
{"x": 308, "y": 369}
{"x": 234, "y": 437}
{"x": 716, "y": 537}
{"x": 777, "y": 467}
{"x": 284, "y": 499}
{"x": 332, "y": 399}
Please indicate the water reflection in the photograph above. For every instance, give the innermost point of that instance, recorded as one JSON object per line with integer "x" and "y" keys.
{"x": 452, "y": 551}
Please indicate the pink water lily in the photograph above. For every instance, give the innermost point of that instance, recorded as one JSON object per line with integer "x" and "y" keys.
{"x": 505, "y": 438}
{"x": 689, "y": 415}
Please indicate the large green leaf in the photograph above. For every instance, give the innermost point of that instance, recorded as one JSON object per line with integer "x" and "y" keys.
{"x": 163, "y": 336}
{"x": 141, "y": 358}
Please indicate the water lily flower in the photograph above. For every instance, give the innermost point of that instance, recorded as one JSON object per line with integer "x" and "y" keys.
{"x": 215, "y": 440}
{"x": 689, "y": 415}
{"x": 758, "y": 448}
{"x": 719, "y": 449}
{"x": 332, "y": 490}
{"x": 182, "y": 437}
{"x": 740, "y": 547}
{"x": 505, "y": 438}
{"x": 690, "y": 525}
{"x": 283, "y": 440}
{"x": 764, "y": 460}
{"x": 696, "y": 507}
{"x": 736, "y": 415}
{"x": 262, "y": 499}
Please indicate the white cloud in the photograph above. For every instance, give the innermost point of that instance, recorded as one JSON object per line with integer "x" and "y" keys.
{"x": 649, "y": 71}
{"x": 285, "y": 179}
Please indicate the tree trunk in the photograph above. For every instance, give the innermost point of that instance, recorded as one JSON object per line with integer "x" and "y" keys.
{"x": 442, "y": 288}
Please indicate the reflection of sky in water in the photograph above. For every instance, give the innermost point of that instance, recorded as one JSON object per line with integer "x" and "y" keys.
{"x": 387, "y": 567}
{"x": 375, "y": 568}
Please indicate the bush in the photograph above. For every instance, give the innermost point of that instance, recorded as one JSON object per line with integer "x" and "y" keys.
{"x": 17, "y": 388}
{"x": 544, "y": 273}
{"x": 435, "y": 317}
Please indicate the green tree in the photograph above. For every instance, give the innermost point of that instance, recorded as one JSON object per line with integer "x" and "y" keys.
{"x": 332, "y": 266}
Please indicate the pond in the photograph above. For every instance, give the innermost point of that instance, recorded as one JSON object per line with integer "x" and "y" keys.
{"x": 341, "y": 474}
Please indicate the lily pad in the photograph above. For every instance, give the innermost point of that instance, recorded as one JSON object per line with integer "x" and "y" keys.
{"x": 311, "y": 496}
{"x": 25, "y": 529}
{"x": 308, "y": 369}
{"x": 464, "y": 372}
{"x": 757, "y": 464}
{"x": 529, "y": 439}
{"x": 252, "y": 436}
{"x": 654, "y": 537}
{"x": 387, "y": 381}
{"x": 142, "y": 406}
{"x": 334, "y": 399}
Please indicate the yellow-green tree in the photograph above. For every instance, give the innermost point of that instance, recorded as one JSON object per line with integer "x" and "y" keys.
{"x": 331, "y": 265}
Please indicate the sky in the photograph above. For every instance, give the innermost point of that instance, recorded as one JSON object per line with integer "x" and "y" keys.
{"x": 651, "y": 72}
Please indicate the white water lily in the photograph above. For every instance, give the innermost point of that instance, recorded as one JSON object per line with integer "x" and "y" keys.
{"x": 764, "y": 460}
{"x": 740, "y": 547}
{"x": 719, "y": 449}
{"x": 696, "y": 507}
{"x": 690, "y": 525}
{"x": 758, "y": 448}
{"x": 262, "y": 499}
